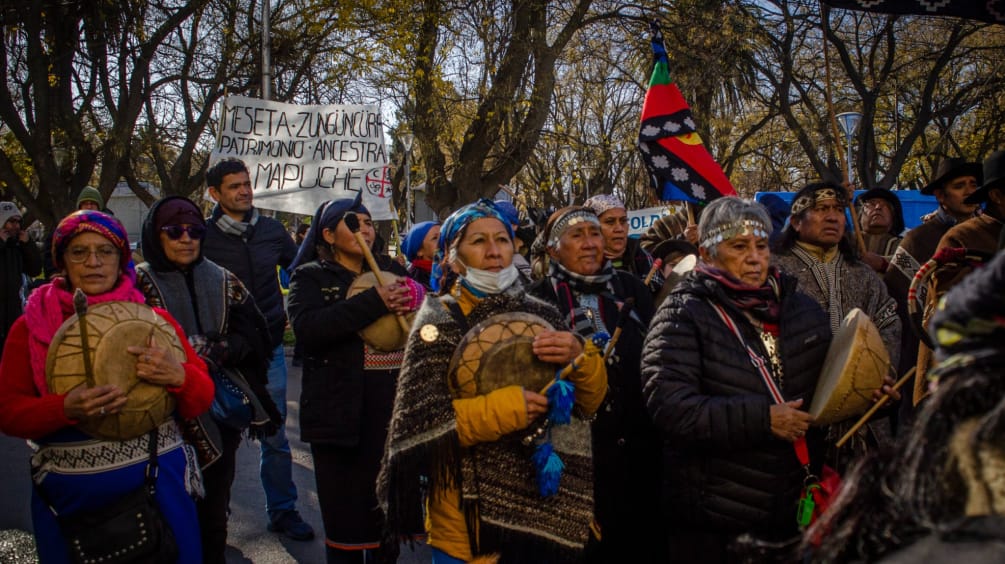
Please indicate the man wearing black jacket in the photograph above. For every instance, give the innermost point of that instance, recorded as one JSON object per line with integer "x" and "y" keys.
{"x": 252, "y": 246}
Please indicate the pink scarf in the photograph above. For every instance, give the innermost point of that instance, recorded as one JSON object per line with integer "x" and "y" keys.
{"x": 50, "y": 305}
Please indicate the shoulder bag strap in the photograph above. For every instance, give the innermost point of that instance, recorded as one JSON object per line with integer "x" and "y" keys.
{"x": 802, "y": 452}
{"x": 152, "y": 468}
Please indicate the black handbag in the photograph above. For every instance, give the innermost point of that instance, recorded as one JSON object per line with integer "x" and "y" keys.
{"x": 131, "y": 529}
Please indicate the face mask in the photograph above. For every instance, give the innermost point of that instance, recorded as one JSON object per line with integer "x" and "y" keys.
{"x": 490, "y": 282}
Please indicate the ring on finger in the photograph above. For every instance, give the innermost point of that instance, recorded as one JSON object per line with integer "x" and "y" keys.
{"x": 146, "y": 359}
{"x": 102, "y": 410}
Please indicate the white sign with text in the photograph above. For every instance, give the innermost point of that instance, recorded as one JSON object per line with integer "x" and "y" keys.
{"x": 639, "y": 221}
{"x": 300, "y": 156}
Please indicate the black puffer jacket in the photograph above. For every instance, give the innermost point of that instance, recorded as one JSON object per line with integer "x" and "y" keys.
{"x": 254, "y": 258}
{"x": 724, "y": 471}
{"x": 331, "y": 399}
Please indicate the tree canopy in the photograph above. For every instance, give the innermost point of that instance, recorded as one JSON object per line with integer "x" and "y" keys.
{"x": 495, "y": 91}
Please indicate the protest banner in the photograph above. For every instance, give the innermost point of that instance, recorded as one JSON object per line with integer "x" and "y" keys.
{"x": 300, "y": 156}
{"x": 641, "y": 220}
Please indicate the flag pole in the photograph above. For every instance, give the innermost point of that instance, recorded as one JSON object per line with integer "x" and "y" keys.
{"x": 836, "y": 132}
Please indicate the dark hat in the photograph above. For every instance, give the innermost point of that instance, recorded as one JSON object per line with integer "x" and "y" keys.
{"x": 90, "y": 194}
{"x": 951, "y": 168}
{"x": 509, "y": 211}
{"x": 994, "y": 177}
{"x": 663, "y": 249}
{"x": 897, "y": 225}
{"x": 411, "y": 243}
{"x": 177, "y": 211}
{"x": 327, "y": 216}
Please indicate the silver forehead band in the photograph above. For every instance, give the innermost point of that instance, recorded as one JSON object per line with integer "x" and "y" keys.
{"x": 727, "y": 231}
{"x": 569, "y": 220}
{"x": 807, "y": 201}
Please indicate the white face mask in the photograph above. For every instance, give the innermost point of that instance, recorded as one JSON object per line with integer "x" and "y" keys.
{"x": 490, "y": 282}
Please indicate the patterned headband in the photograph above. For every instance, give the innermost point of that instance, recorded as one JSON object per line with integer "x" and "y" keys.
{"x": 806, "y": 201}
{"x": 603, "y": 202}
{"x": 727, "y": 231}
{"x": 563, "y": 223}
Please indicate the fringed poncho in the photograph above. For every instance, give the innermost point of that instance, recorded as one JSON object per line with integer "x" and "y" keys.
{"x": 503, "y": 511}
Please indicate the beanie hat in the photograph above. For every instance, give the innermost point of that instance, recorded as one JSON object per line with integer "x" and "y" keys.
{"x": 177, "y": 211}
{"x": 90, "y": 194}
{"x": 83, "y": 221}
{"x": 7, "y": 211}
{"x": 412, "y": 243}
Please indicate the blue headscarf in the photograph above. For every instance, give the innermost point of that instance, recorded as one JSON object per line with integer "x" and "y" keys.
{"x": 412, "y": 242}
{"x": 327, "y": 216}
{"x": 454, "y": 227}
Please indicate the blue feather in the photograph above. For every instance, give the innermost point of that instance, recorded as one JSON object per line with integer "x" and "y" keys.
{"x": 549, "y": 469}
{"x": 561, "y": 396}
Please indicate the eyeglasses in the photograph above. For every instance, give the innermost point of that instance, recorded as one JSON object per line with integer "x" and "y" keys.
{"x": 875, "y": 204}
{"x": 174, "y": 232}
{"x": 104, "y": 253}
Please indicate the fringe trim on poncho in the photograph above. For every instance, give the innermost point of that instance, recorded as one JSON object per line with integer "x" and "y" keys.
{"x": 504, "y": 512}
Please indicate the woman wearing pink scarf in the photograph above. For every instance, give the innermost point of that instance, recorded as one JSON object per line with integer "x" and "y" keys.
{"x": 74, "y": 472}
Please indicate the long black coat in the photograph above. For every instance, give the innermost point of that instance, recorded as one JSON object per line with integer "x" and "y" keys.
{"x": 16, "y": 258}
{"x": 724, "y": 471}
{"x": 326, "y": 322}
{"x": 626, "y": 445}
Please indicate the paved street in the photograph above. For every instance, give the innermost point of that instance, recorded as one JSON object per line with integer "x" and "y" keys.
{"x": 248, "y": 539}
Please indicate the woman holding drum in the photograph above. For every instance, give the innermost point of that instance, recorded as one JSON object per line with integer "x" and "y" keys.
{"x": 730, "y": 461}
{"x": 592, "y": 296}
{"x": 348, "y": 382}
{"x": 463, "y": 419}
{"x": 223, "y": 325}
{"x": 74, "y": 472}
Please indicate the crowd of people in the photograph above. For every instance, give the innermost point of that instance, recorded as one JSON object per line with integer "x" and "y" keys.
{"x": 511, "y": 392}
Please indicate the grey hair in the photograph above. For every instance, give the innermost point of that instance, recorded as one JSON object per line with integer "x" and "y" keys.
{"x": 723, "y": 213}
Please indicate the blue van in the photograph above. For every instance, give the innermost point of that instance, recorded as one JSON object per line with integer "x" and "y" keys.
{"x": 915, "y": 203}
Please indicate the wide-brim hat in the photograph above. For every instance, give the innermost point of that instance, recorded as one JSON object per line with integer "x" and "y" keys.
{"x": 951, "y": 168}
{"x": 994, "y": 176}
{"x": 663, "y": 249}
{"x": 897, "y": 225}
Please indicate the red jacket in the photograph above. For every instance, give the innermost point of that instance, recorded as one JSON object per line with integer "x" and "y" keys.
{"x": 26, "y": 414}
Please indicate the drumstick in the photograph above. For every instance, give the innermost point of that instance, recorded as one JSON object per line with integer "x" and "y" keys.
{"x": 352, "y": 222}
{"x": 690, "y": 214}
{"x": 80, "y": 306}
{"x": 625, "y": 315}
{"x": 652, "y": 271}
{"x": 872, "y": 410}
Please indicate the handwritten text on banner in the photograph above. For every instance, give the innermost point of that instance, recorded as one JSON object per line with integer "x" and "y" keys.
{"x": 300, "y": 156}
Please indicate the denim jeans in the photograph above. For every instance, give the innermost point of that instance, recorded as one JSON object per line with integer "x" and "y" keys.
{"x": 440, "y": 557}
{"x": 277, "y": 462}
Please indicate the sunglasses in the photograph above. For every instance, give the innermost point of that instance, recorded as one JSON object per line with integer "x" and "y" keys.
{"x": 174, "y": 232}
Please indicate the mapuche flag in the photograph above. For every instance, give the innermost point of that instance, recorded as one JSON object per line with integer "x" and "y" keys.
{"x": 680, "y": 167}
{"x": 991, "y": 11}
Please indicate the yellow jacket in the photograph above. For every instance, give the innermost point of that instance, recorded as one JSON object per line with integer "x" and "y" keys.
{"x": 487, "y": 418}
